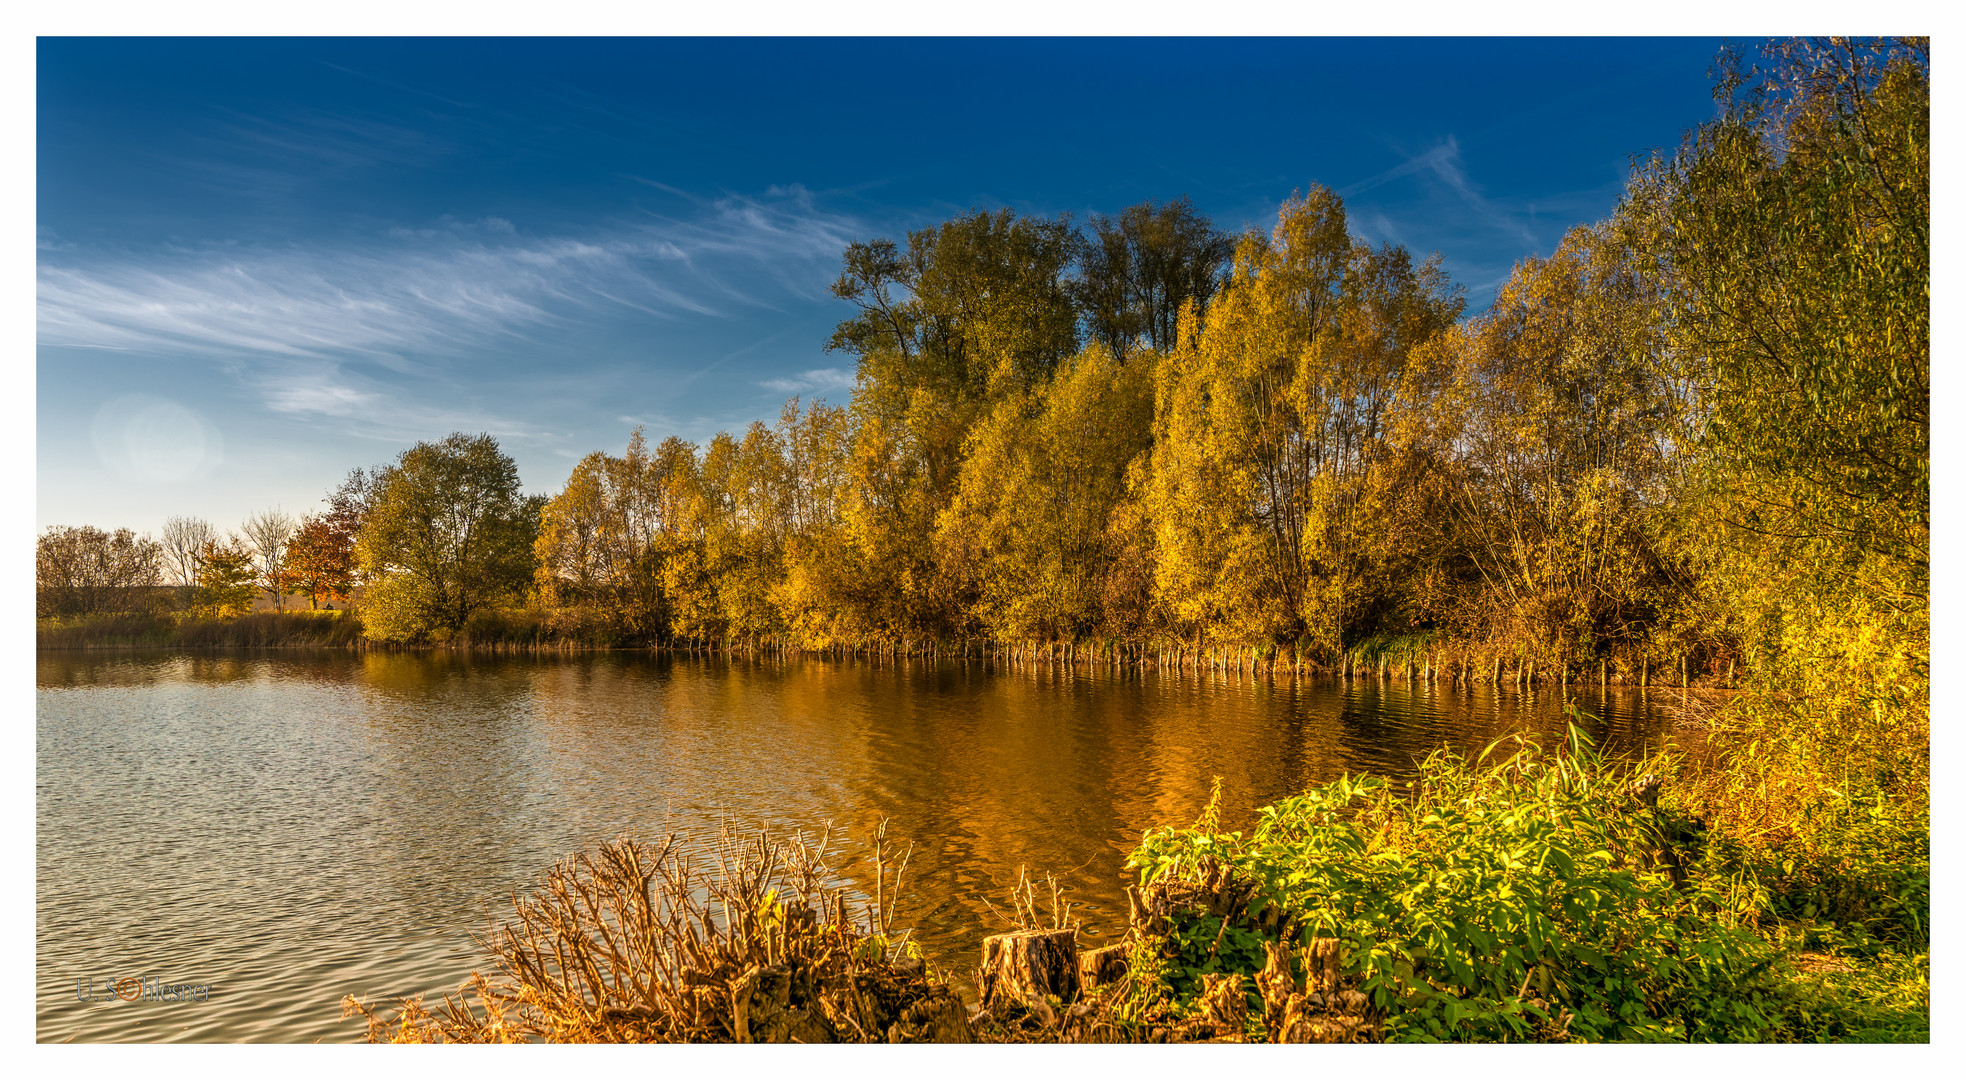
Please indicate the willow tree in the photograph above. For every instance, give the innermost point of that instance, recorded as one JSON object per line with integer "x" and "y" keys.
{"x": 604, "y": 542}
{"x": 1028, "y": 528}
{"x": 1270, "y": 429}
{"x": 1552, "y": 420}
{"x": 1791, "y": 237}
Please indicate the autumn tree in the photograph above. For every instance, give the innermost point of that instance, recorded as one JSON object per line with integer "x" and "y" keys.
{"x": 1269, "y": 466}
{"x": 605, "y": 541}
{"x": 1551, "y": 420}
{"x": 1790, "y": 238}
{"x": 269, "y": 532}
{"x": 748, "y": 489}
{"x": 448, "y": 534}
{"x": 971, "y": 310}
{"x": 1793, "y": 239}
{"x": 1139, "y": 268}
{"x": 228, "y": 578}
{"x": 351, "y": 500}
{"x": 86, "y": 571}
{"x": 1028, "y": 528}
{"x": 976, "y": 305}
{"x": 320, "y": 561}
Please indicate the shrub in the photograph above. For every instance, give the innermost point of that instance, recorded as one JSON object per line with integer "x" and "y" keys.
{"x": 1540, "y": 897}
{"x": 749, "y": 943}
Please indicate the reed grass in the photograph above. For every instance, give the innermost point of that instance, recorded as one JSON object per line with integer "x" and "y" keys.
{"x": 262, "y": 629}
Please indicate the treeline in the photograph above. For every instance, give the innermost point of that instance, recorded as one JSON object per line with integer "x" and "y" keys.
{"x": 193, "y": 570}
{"x": 1653, "y": 446}
{"x": 1689, "y": 424}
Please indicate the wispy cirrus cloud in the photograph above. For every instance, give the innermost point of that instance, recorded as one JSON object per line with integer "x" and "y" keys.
{"x": 1445, "y": 157}
{"x": 1443, "y": 165}
{"x": 417, "y": 290}
{"x": 817, "y": 381}
{"x": 334, "y": 331}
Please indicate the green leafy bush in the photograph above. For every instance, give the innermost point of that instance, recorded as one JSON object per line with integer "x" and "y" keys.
{"x": 1535, "y": 898}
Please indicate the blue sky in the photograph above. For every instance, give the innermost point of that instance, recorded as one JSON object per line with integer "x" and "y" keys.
{"x": 263, "y": 262}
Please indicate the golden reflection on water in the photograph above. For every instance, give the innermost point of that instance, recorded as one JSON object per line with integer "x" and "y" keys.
{"x": 291, "y": 826}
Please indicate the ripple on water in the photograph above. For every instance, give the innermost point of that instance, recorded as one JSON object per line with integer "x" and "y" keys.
{"x": 292, "y": 827}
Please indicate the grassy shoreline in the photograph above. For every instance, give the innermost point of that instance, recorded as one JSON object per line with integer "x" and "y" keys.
{"x": 533, "y": 631}
{"x": 1522, "y": 896}
{"x": 265, "y": 629}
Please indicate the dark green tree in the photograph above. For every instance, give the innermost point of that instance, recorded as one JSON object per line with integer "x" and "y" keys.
{"x": 447, "y": 534}
{"x": 973, "y": 308}
{"x": 1136, "y": 270}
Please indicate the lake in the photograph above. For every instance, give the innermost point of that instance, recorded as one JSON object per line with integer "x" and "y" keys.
{"x": 288, "y": 826}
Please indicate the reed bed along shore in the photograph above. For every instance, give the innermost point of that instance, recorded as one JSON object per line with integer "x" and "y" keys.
{"x": 1414, "y": 659}
{"x": 264, "y": 629}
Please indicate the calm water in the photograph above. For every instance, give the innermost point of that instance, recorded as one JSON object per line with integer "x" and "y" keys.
{"x": 291, "y": 827}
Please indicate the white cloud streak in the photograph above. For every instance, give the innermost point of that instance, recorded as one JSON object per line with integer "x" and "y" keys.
{"x": 296, "y": 322}
{"x": 1443, "y": 163}
{"x": 817, "y": 381}
{"x": 429, "y": 289}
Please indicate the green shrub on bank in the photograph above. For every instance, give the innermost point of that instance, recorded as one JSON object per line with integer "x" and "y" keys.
{"x": 1535, "y": 898}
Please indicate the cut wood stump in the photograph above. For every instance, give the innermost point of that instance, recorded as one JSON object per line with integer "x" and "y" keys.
{"x": 1283, "y": 998}
{"x": 1029, "y": 965}
{"x": 1314, "y": 1009}
{"x": 1102, "y": 967}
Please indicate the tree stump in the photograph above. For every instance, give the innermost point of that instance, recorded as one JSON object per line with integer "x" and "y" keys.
{"x": 761, "y": 1003}
{"x": 1282, "y": 997}
{"x": 1223, "y": 1009}
{"x": 1029, "y": 964}
{"x": 1101, "y": 967}
{"x": 1321, "y": 966}
{"x": 1295, "y": 1012}
{"x": 939, "y": 1017}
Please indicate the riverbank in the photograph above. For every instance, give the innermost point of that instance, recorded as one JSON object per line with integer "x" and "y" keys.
{"x": 264, "y": 629}
{"x": 1523, "y": 895}
{"x": 1533, "y": 896}
{"x": 1415, "y": 660}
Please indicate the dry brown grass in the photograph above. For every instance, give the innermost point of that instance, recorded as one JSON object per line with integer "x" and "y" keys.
{"x": 264, "y": 629}
{"x": 749, "y": 941}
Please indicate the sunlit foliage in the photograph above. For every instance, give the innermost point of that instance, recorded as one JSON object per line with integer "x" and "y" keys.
{"x": 1271, "y": 463}
{"x": 1027, "y": 532}
{"x": 1552, "y": 424}
{"x": 228, "y": 579}
{"x": 448, "y": 535}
